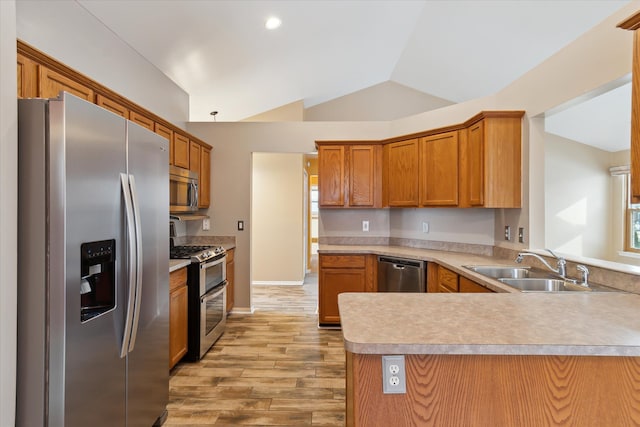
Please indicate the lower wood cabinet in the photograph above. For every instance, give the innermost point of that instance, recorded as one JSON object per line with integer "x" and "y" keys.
{"x": 230, "y": 279}
{"x": 469, "y": 286}
{"x": 441, "y": 279}
{"x": 338, "y": 274}
{"x": 178, "y": 306}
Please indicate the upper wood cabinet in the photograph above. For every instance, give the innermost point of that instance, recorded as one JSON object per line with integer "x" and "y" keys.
{"x": 167, "y": 133}
{"x": 402, "y": 164}
{"x": 205, "y": 178}
{"x": 364, "y": 176}
{"x": 27, "y": 73}
{"x": 439, "y": 170}
{"x": 350, "y": 175}
{"x": 180, "y": 150}
{"x": 39, "y": 75}
{"x": 491, "y": 163}
{"x": 633, "y": 23}
{"x": 51, "y": 83}
{"x": 143, "y": 121}
{"x": 112, "y": 106}
{"x": 331, "y": 176}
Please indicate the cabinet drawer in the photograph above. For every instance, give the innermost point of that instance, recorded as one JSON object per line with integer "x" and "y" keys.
{"x": 342, "y": 261}
{"x": 470, "y": 286}
{"x": 178, "y": 278}
{"x": 448, "y": 279}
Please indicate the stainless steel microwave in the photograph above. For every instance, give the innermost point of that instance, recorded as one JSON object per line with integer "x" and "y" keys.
{"x": 183, "y": 190}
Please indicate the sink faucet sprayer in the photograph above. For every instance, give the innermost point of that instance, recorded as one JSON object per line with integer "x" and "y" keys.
{"x": 562, "y": 263}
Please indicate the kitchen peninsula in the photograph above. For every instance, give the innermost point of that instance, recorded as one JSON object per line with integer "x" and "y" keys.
{"x": 494, "y": 359}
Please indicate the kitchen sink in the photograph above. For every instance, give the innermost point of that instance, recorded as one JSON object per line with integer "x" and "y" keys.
{"x": 499, "y": 272}
{"x": 544, "y": 285}
{"x": 529, "y": 279}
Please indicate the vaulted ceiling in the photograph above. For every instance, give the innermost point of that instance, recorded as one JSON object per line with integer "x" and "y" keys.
{"x": 220, "y": 53}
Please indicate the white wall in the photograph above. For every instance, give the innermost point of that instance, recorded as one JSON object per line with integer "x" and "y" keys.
{"x": 233, "y": 146}
{"x": 277, "y": 218}
{"x": 578, "y": 198}
{"x": 67, "y": 32}
{"x": 8, "y": 212}
{"x": 445, "y": 225}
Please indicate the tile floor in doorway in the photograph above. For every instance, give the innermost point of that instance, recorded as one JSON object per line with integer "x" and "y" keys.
{"x": 271, "y": 368}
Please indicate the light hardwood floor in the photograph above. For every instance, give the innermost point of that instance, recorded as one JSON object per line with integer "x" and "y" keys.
{"x": 272, "y": 368}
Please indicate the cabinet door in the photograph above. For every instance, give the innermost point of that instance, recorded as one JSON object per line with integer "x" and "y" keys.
{"x": 469, "y": 286}
{"x": 447, "y": 280}
{"x": 363, "y": 182}
{"x": 439, "y": 170}
{"x": 194, "y": 159}
{"x": 475, "y": 164}
{"x": 51, "y": 83}
{"x": 403, "y": 168}
{"x": 180, "y": 151}
{"x": 27, "y": 74}
{"x": 331, "y": 176}
{"x": 167, "y": 133}
{"x": 205, "y": 178}
{"x": 143, "y": 121}
{"x": 230, "y": 279}
{"x": 177, "y": 325}
{"x": 112, "y": 106}
{"x": 332, "y": 282}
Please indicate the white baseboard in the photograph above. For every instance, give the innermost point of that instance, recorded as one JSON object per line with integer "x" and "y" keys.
{"x": 242, "y": 310}
{"x": 279, "y": 282}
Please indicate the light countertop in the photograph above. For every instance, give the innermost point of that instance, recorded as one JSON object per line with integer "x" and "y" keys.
{"x": 603, "y": 324}
{"x": 177, "y": 264}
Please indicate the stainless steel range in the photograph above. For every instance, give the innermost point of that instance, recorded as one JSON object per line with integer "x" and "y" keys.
{"x": 207, "y": 283}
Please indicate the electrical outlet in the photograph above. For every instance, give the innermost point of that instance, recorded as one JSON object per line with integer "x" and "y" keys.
{"x": 365, "y": 225}
{"x": 521, "y": 235}
{"x": 394, "y": 379}
{"x": 425, "y": 227}
{"x": 507, "y": 232}
{"x": 206, "y": 224}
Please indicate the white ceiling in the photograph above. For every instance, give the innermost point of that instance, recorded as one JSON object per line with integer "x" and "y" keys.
{"x": 220, "y": 53}
{"x": 603, "y": 121}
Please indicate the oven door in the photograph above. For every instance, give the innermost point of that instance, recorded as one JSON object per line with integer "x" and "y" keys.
{"x": 212, "y": 273}
{"x": 213, "y": 317}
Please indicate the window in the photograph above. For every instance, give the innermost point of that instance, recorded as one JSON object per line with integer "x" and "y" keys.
{"x": 632, "y": 223}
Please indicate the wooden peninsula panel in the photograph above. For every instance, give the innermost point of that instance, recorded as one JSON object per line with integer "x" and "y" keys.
{"x": 497, "y": 390}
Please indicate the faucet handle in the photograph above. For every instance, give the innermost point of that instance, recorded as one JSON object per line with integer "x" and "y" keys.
{"x": 584, "y": 273}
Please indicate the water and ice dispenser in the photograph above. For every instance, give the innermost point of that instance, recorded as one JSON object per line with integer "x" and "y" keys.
{"x": 98, "y": 282}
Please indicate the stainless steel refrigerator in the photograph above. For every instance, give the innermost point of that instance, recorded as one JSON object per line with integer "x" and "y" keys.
{"x": 93, "y": 268}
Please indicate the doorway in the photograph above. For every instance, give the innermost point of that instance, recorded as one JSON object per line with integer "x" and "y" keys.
{"x": 280, "y": 224}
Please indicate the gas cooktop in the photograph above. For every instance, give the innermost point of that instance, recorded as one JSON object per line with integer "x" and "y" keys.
{"x": 195, "y": 253}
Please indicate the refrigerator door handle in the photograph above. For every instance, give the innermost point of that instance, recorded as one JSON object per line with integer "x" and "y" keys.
{"x": 131, "y": 263}
{"x": 138, "y": 244}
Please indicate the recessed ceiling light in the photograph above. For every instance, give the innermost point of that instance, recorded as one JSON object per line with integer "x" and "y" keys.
{"x": 272, "y": 23}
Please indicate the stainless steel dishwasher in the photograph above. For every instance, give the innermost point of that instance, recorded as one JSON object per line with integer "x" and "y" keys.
{"x": 401, "y": 275}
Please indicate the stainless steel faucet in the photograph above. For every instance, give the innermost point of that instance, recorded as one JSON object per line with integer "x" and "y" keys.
{"x": 584, "y": 280}
{"x": 561, "y": 269}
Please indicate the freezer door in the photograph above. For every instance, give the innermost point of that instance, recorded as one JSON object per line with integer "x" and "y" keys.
{"x": 87, "y": 178}
{"x": 148, "y": 359}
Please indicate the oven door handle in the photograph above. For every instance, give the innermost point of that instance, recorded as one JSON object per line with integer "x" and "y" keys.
{"x": 213, "y": 263}
{"x": 214, "y": 293}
